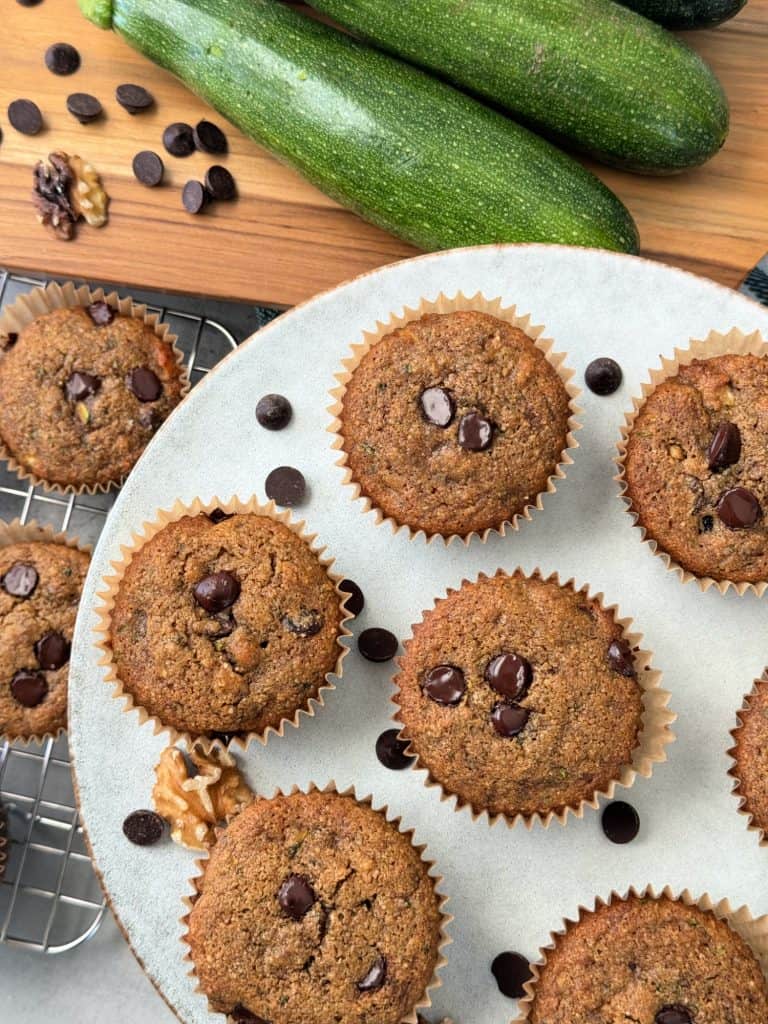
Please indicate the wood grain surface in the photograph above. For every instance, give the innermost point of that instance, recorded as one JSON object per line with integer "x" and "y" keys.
{"x": 283, "y": 241}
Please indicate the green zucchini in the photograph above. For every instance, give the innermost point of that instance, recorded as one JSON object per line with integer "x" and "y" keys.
{"x": 587, "y": 72}
{"x": 405, "y": 151}
{"x": 686, "y": 13}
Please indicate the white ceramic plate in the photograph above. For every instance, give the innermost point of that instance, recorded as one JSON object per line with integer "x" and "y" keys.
{"x": 508, "y": 888}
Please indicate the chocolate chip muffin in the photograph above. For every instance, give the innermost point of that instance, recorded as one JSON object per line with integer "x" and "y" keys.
{"x": 454, "y": 423}
{"x": 650, "y": 961}
{"x": 313, "y": 909}
{"x": 520, "y": 696}
{"x": 82, "y": 391}
{"x": 695, "y": 467}
{"x": 750, "y": 754}
{"x": 225, "y": 624}
{"x": 40, "y": 586}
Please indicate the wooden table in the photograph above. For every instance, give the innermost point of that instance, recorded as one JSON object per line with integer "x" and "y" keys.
{"x": 283, "y": 240}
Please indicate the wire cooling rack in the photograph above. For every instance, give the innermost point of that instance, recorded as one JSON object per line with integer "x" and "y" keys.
{"x": 50, "y": 899}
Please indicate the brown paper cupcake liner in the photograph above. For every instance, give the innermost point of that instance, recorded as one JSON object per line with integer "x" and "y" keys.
{"x": 3, "y": 840}
{"x": 735, "y": 342}
{"x": 744, "y": 809}
{"x": 17, "y": 532}
{"x": 112, "y": 583}
{"x": 754, "y": 931}
{"x": 655, "y": 732}
{"x": 444, "y": 304}
{"x": 27, "y": 307}
{"x": 445, "y": 919}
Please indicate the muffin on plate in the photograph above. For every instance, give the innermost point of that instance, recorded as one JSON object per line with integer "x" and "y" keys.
{"x": 750, "y": 755}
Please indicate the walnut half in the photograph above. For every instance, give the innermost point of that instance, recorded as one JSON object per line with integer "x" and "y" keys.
{"x": 88, "y": 196}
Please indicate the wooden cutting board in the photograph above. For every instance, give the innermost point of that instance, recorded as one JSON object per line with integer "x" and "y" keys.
{"x": 282, "y": 241}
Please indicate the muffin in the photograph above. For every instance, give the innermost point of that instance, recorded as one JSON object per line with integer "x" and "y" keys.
{"x": 750, "y": 755}
{"x": 520, "y": 696}
{"x": 40, "y": 586}
{"x": 650, "y": 961}
{"x": 82, "y": 391}
{"x": 224, "y": 624}
{"x": 313, "y": 909}
{"x": 453, "y": 423}
{"x": 695, "y": 467}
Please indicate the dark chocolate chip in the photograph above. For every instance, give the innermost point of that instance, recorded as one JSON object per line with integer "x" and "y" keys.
{"x": 29, "y": 687}
{"x": 218, "y": 515}
{"x": 227, "y": 623}
{"x": 725, "y": 447}
{"x": 374, "y": 977}
{"x": 273, "y": 412}
{"x": 217, "y": 592}
{"x": 62, "y": 59}
{"x": 603, "y": 376}
{"x": 80, "y": 385}
{"x": 620, "y": 822}
{"x": 437, "y": 406}
{"x": 738, "y": 508}
{"x": 52, "y": 651}
{"x": 377, "y": 644}
{"x": 150, "y": 419}
{"x": 101, "y": 313}
{"x": 179, "y": 139}
{"x": 134, "y": 98}
{"x": 621, "y": 658}
{"x": 84, "y": 107}
{"x": 209, "y": 138}
{"x": 144, "y": 384}
{"x": 10, "y": 339}
{"x": 240, "y": 1015}
{"x": 20, "y": 580}
{"x": 25, "y": 117}
{"x": 220, "y": 183}
{"x": 355, "y": 601}
{"x": 509, "y": 674}
{"x": 706, "y": 524}
{"x": 511, "y": 971}
{"x": 144, "y": 828}
{"x": 148, "y": 168}
{"x": 194, "y": 197}
{"x": 444, "y": 684}
{"x": 28, "y": 3}
{"x": 475, "y": 432}
{"x": 285, "y": 486}
{"x": 296, "y": 896}
{"x": 676, "y": 1014}
{"x": 305, "y": 622}
{"x": 391, "y": 751}
{"x": 508, "y": 719}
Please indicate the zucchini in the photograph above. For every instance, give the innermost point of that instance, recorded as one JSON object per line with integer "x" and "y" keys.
{"x": 686, "y": 13}
{"x": 405, "y": 151}
{"x": 587, "y": 72}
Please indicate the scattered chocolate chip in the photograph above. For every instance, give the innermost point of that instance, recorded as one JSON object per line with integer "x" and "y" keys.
{"x": 101, "y": 313}
{"x": 25, "y": 117}
{"x": 179, "y": 139}
{"x": 375, "y": 976}
{"x": 285, "y": 486}
{"x": 143, "y": 828}
{"x": 296, "y": 896}
{"x": 220, "y": 183}
{"x": 240, "y": 1015}
{"x": 29, "y": 687}
{"x": 725, "y": 448}
{"x": 134, "y": 98}
{"x": 475, "y": 432}
{"x": 620, "y": 822}
{"x": 603, "y": 376}
{"x": 79, "y": 386}
{"x": 144, "y": 384}
{"x": 738, "y": 508}
{"x": 84, "y": 107}
{"x": 209, "y": 138}
{"x": 706, "y": 524}
{"x": 508, "y": 719}
{"x": 62, "y": 59}
{"x": 217, "y": 592}
{"x": 52, "y": 651}
{"x": 509, "y": 674}
{"x": 437, "y": 406}
{"x": 218, "y": 515}
{"x": 148, "y": 168}
{"x": 273, "y": 412}
{"x": 674, "y": 1015}
{"x": 355, "y": 601}
{"x": 444, "y": 684}
{"x": 194, "y": 197}
{"x": 306, "y": 622}
{"x": 28, "y": 3}
{"x": 511, "y": 971}
{"x": 621, "y": 658}
{"x": 391, "y": 751}
{"x": 377, "y": 644}
{"x": 20, "y": 580}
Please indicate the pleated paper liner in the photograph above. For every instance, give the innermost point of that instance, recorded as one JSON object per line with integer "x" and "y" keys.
{"x": 655, "y": 732}
{"x": 748, "y": 709}
{"x": 445, "y": 919}
{"x": 33, "y": 532}
{"x": 754, "y": 932}
{"x": 112, "y": 583}
{"x": 735, "y": 342}
{"x": 16, "y": 316}
{"x": 3, "y": 840}
{"x": 444, "y": 304}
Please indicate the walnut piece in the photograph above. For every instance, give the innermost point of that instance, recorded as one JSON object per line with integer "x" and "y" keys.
{"x": 88, "y": 196}
{"x": 195, "y": 804}
{"x": 51, "y": 195}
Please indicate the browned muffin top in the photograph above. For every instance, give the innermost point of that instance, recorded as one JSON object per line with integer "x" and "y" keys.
{"x": 81, "y": 394}
{"x": 696, "y": 467}
{"x": 649, "y": 961}
{"x": 751, "y": 755}
{"x": 454, "y": 423}
{"x": 225, "y": 626}
{"x": 40, "y": 585}
{"x": 520, "y": 695}
{"x": 315, "y": 910}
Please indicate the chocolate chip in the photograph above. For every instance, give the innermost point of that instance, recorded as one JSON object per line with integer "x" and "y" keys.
{"x": 217, "y": 592}
{"x": 296, "y": 896}
{"x": 220, "y": 183}
{"x": 218, "y": 515}
{"x": 20, "y": 580}
{"x": 101, "y": 313}
{"x": 725, "y": 447}
{"x": 150, "y": 419}
{"x": 511, "y": 971}
{"x": 377, "y": 644}
{"x": 620, "y": 822}
{"x": 437, "y": 406}
{"x": 444, "y": 684}
{"x": 62, "y": 59}
{"x": 9, "y": 340}
{"x": 240, "y": 1015}
{"x": 355, "y": 601}
{"x": 391, "y": 751}
{"x": 273, "y": 412}
{"x": 306, "y": 622}
{"x": 148, "y": 168}
{"x": 508, "y": 719}
{"x": 144, "y": 828}
{"x": 676, "y": 1014}
{"x": 194, "y": 197}
{"x": 29, "y": 688}
{"x": 28, "y": 3}
{"x": 179, "y": 139}
{"x": 475, "y": 432}
{"x": 374, "y": 977}
{"x": 706, "y": 524}
{"x": 84, "y": 107}
{"x": 738, "y": 508}
{"x": 621, "y": 658}
{"x": 144, "y": 384}
{"x": 134, "y": 98}
{"x": 286, "y": 486}
{"x": 52, "y": 651}
{"x": 209, "y": 138}
{"x": 25, "y": 117}
{"x": 603, "y": 376}
{"x": 509, "y": 674}
{"x": 227, "y": 623}
{"x": 79, "y": 386}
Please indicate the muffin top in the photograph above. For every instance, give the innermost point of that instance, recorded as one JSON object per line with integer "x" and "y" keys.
{"x": 40, "y": 585}
{"x": 650, "y": 961}
{"x": 697, "y": 470}
{"x": 454, "y": 423}
{"x": 82, "y": 390}
{"x": 751, "y": 755}
{"x": 225, "y": 625}
{"x": 314, "y": 909}
{"x": 520, "y": 696}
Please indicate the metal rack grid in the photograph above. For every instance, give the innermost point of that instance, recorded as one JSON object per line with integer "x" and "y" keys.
{"x": 50, "y": 899}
